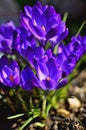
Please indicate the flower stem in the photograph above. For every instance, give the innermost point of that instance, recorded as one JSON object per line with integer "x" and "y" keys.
{"x": 22, "y": 101}
{"x": 44, "y": 106}
{"x": 10, "y": 104}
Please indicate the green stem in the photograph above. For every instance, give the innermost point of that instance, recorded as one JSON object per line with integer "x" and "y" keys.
{"x": 27, "y": 122}
{"x": 44, "y": 106}
{"x": 55, "y": 92}
{"x": 22, "y": 101}
{"x": 10, "y": 104}
{"x": 31, "y": 102}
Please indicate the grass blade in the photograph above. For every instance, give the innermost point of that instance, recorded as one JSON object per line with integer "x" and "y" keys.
{"x": 81, "y": 27}
{"x": 15, "y": 116}
{"x": 27, "y": 122}
{"x": 65, "y": 17}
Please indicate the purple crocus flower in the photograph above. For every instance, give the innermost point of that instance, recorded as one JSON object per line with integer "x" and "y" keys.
{"x": 49, "y": 75}
{"x": 7, "y": 36}
{"x": 75, "y": 47}
{"x": 26, "y": 40}
{"x": 35, "y": 54}
{"x": 83, "y": 42}
{"x": 68, "y": 65}
{"x": 9, "y": 72}
{"x": 27, "y": 77}
{"x": 44, "y": 23}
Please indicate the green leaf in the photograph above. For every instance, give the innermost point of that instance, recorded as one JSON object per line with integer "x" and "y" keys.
{"x": 56, "y": 49}
{"x": 27, "y": 122}
{"x": 48, "y": 108}
{"x": 81, "y": 27}
{"x": 39, "y": 124}
{"x": 15, "y": 116}
{"x": 65, "y": 17}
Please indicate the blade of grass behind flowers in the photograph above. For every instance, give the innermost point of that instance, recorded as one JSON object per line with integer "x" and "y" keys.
{"x": 65, "y": 16}
{"x": 81, "y": 27}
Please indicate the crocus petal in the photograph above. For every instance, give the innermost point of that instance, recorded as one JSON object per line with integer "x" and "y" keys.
{"x": 42, "y": 71}
{"x": 28, "y": 10}
{"x": 49, "y": 85}
{"x": 27, "y": 78}
{"x": 38, "y": 17}
{"x": 62, "y": 83}
{"x": 53, "y": 69}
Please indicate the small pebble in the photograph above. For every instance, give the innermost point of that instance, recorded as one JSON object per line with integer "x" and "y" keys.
{"x": 4, "y": 100}
{"x": 55, "y": 127}
{"x": 63, "y": 112}
{"x": 14, "y": 125}
{"x": 74, "y": 103}
{"x": 0, "y": 96}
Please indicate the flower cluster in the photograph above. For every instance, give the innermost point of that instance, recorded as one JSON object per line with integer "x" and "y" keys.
{"x": 33, "y": 44}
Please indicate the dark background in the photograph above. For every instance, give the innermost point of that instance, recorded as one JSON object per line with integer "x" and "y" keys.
{"x": 10, "y": 9}
{"x": 76, "y": 11}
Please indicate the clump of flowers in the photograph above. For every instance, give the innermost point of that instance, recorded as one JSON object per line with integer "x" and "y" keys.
{"x": 35, "y": 58}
